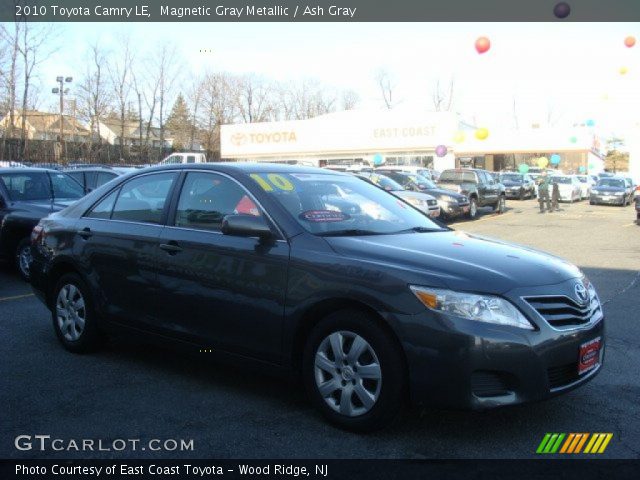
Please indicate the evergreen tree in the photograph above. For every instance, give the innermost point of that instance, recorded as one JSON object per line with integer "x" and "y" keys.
{"x": 178, "y": 124}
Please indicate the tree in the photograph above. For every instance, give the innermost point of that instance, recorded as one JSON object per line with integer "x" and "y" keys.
{"x": 179, "y": 123}
{"x": 10, "y": 75}
{"x": 349, "y": 100}
{"x": 219, "y": 106}
{"x": 253, "y": 99}
{"x": 386, "y": 85}
{"x": 120, "y": 73}
{"x": 166, "y": 71}
{"x": 442, "y": 100}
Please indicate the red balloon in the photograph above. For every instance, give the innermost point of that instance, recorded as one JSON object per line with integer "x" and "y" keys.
{"x": 630, "y": 41}
{"x": 483, "y": 44}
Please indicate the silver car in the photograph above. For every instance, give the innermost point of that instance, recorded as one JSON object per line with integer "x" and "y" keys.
{"x": 569, "y": 187}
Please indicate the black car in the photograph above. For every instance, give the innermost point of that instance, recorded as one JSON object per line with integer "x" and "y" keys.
{"x": 610, "y": 190}
{"x": 26, "y": 196}
{"x": 255, "y": 260}
{"x": 451, "y": 204}
{"x": 518, "y": 185}
{"x": 92, "y": 177}
{"x": 479, "y": 186}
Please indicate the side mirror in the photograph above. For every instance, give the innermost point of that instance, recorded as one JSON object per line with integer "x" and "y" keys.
{"x": 246, "y": 226}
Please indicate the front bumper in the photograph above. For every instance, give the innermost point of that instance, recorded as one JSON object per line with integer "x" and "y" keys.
{"x": 458, "y": 363}
{"x": 607, "y": 199}
{"x": 513, "y": 193}
{"x": 453, "y": 209}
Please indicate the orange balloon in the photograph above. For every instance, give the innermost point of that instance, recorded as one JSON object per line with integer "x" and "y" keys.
{"x": 483, "y": 44}
{"x": 630, "y": 41}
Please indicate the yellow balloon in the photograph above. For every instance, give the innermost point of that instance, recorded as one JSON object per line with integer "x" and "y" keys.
{"x": 624, "y": 70}
{"x": 458, "y": 137}
{"x": 543, "y": 162}
{"x": 482, "y": 133}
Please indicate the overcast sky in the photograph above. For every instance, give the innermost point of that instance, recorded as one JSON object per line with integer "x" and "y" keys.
{"x": 569, "y": 70}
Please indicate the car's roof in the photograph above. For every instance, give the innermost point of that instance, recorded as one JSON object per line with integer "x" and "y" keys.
{"x": 255, "y": 167}
{"x": 27, "y": 169}
{"x": 88, "y": 169}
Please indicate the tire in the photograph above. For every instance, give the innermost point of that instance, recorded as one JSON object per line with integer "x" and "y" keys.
{"x": 23, "y": 258}
{"x": 501, "y": 205}
{"x": 80, "y": 333}
{"x": 473, "y": 208}
{"x": 521, "y": 196}
{"x": 591, "y": 202}
{"x": 380, "y": 354}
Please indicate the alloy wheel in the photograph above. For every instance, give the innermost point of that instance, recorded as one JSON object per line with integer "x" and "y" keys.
{"x": 24, "y": 261}
{"x": 71, "y": 312}
{"x": 347, "y": 373}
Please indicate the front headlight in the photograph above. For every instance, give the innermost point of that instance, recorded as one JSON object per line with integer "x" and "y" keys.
{"x": 482, "y": 308}
{"x": 416, "y": 202}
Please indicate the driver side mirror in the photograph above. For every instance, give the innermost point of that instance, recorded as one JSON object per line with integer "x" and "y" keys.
{"x": 246, "y": 226}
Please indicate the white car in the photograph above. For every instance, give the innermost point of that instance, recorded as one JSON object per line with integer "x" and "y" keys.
{"x": 415, "y": 170}
{"x": 186, "y": 157}
{"x": 586, "y": 183}
{"x": 569, "y": 187}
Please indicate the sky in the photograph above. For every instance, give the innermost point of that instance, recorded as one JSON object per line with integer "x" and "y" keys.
{"x": 568, "y": 70}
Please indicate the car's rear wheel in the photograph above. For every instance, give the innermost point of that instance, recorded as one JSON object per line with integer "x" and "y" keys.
{"x": 473, "y": 208}
{"x": 501, "y": 205}
{"x": 354, "y": 371}
{"x": 74, "y": 320}
{"x": 23, "y": 259}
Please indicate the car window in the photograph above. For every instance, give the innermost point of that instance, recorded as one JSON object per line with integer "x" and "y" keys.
{"x": 142, "y": 199}
{"x": 457, "y": 176}
{"x": 206, "y": 198}
{"x": 65, "y": 187}
{"x": 104, "y": 177}
{"x": 104, "y": 207}
{"x": 79, "y": 177}
{"x": 27, "y": 186}
{"x": 191, "y": 159}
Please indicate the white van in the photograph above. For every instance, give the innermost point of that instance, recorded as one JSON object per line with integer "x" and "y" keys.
{"x": 184, "y": 158}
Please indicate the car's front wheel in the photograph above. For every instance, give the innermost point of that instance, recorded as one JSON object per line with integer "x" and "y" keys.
{"x": 23, "y": 259}
{"x": 354, "y": 371}
{"x": 74, "y": 320}
{"x": 473, "y": 208}
{"x": 501, "y": 205}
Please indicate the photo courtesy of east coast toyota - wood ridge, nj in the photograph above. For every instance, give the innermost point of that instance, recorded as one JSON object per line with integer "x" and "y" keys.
{"x": 330, "y": 239}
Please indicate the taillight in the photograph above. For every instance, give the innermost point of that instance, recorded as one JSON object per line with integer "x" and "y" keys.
{"x": 37, "y": 235}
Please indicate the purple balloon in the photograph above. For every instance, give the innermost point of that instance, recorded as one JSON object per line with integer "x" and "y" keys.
{"x": 441, "y": 150}
{"x": 562, "y": 10}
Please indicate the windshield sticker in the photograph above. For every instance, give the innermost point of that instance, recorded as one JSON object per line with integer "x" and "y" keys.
{"x": 324, "y": 216}
{"x": 273, "y": 180}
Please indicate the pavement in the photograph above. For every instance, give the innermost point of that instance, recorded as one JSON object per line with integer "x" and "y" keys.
{"x": 134, "y": 391}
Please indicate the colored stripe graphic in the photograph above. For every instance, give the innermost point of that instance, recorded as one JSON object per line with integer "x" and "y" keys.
{"x": 572, "y": 443}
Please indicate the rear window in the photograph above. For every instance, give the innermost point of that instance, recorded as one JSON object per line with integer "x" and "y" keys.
{"x": 30, "y": 186}
{"x": 457, "y": 176}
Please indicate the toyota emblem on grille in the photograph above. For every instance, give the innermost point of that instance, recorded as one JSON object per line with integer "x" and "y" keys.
{"x": 581, "y": 294}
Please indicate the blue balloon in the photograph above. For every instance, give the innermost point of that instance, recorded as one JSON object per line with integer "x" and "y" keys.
{"x": 582, "y": 169}
{"x": 377, "y": 159}
{"x": 555, "y": 159}
{"x": 590, "y": 123}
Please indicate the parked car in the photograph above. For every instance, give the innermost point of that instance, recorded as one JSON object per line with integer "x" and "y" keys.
{"x": 518, "y": 185}
{"x": 416, "y": 170}
{"x": 631, "y": 188}
{"x": 420, "y": 200}
{"x": 586, "y": 184}
{"x": 369, "y": 309}
{"x": 610, "y": 190}
{"x": 92, "y": 178}
{"x": 26, "y": 196}
{"x": 568, "y": 187}
{"x": 637, "y": 201}
{"x": 478, "y": 186}
{"x": 184, "y": 157}
{"x": 452, "y": 205}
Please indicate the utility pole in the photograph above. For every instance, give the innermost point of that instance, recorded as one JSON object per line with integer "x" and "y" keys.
{"x": 61, "y": 90}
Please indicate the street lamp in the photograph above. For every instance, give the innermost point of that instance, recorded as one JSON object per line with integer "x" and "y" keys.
{"x": 62, "y": 91}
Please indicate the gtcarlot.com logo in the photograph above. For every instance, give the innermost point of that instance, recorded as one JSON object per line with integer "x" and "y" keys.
{"x": 574, "y": 443}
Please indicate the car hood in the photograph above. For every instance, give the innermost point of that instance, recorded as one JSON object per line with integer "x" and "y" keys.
{"x": 459, "y": 261}
{"x": 410, "y": 194}
{"x": 439, "y": 192}
{"x": 508, "y": 183}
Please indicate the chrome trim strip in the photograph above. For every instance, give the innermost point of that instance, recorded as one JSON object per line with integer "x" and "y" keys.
{"x": 585, "y": 326}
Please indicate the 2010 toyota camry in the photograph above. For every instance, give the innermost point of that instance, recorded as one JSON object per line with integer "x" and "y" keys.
{"x": 364, "y": 295}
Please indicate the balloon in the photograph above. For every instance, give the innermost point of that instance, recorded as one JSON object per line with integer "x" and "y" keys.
{"x": 562, "y": 10}
{"x": 590, "y": 123}
{"x": 581, "y": 169}
{"x": 591, "y": 166}
{"x": 483, "y": 44}
{"x": 458, "y": 137}
{"x": 555, "y": 159}
{"x": 523, "y": 168}
{"x": 377, "y": 159}
{"x": 623, "y": 70}
{"x": 573, "y": 139}
{"x": 630, "y": 41}
{"x": 543, "y": 162}
{"x": 441, "y": 150}
{"x": 482, "y": 133}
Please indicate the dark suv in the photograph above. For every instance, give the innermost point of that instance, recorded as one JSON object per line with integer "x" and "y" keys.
{"x": 324, "y": 274}
{"x": 479, "y": 186}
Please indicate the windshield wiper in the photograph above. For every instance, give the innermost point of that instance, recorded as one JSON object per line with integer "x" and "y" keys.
{"x": 420, "y": 230}
{"x": 349, "y": 232}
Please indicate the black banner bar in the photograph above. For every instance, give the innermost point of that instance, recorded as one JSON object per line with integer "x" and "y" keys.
{"x": 319, "y": 11}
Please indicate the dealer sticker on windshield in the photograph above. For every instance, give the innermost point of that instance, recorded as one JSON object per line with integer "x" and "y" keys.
{"x": 324, "y": 216}
{"x": 589, "y": 355}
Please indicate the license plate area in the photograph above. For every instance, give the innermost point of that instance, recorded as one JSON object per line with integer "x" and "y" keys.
{"x": 589, "y": 357}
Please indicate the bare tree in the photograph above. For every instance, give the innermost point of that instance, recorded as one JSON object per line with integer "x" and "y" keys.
{"x": 167, "y": 69}
{"x": 306, "y": 99}
{"x": 219, "y": 106}
{"x": 120, "y": 74}
{"x": 194, "y": 98}
{"x": 11, "y": 40}
{"x": 386, "y": 85}
{"x": 254, "y": 98}
{"x": 443, "y": 99}
{"x": 350, "y": 99}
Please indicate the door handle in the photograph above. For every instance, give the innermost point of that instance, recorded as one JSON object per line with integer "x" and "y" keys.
{"x": 171, "y": 248}
{"x": 85, "y": 233}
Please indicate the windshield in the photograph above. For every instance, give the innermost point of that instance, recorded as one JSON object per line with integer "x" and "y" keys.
{"x": 457, "y": 176}
{"x": 331, "y": 204}
{"x": 563, "y": 180}
{"x": 386, "y": 182}
{"x": 582, "y": 179}
{"x": 511, "y": 177}
{"x": 30, "y": 186}
{"x": 611, "y": 182}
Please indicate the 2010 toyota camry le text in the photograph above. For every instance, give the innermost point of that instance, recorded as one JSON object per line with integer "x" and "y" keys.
{"x": 364, "y": 296}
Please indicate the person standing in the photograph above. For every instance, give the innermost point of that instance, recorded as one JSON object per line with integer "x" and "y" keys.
{"x": 555, "y": 197}
{"x": 543, "y": 191}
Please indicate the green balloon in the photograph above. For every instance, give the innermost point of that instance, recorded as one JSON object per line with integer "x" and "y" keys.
{"x": 523, "y": 168}
{"x": 591, "y": 166}
{"x": 573, "y": 139}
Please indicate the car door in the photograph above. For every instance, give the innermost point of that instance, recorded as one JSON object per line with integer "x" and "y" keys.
{"x": 485, "y": 192}
{"x": 116, "y": 243}
{"x": 220, "y": 291}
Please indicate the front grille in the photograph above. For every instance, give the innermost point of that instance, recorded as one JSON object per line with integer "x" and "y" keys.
{"x": 485, "y": 383}
{"x": 563, "y": 312}
{"x": 563, "y": 375}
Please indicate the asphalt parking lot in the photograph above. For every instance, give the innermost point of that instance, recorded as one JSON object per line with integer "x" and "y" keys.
{"x": 136, "y": 391}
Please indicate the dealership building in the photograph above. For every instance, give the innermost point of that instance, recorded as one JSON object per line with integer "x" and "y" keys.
{"x": 400, "y": 137}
